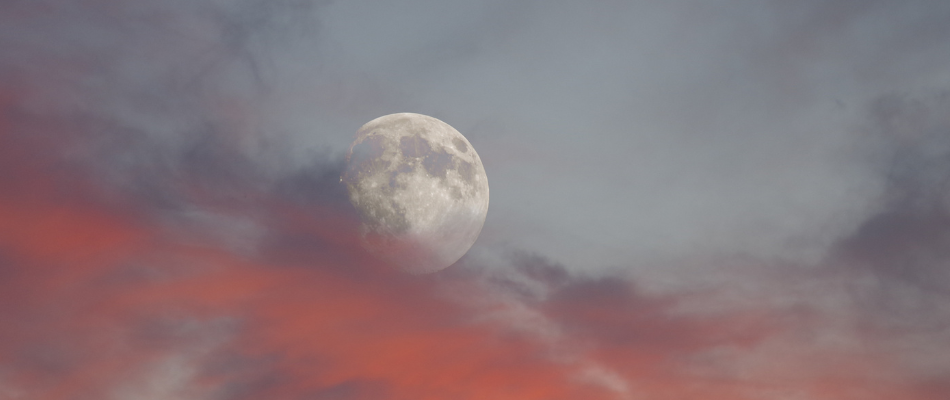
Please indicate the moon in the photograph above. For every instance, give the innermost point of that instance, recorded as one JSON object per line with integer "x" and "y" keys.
{"x": 420, "y": 190}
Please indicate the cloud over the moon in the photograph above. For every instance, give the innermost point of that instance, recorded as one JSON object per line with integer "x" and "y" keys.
{"x": 170, "y": 228}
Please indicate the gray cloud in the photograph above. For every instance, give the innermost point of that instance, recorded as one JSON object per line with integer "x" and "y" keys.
{"x": 614, "y": 134}
{"x": 622, "y": 140}
{"x": 632, "y": 131}
{"x": 904, "y": 246}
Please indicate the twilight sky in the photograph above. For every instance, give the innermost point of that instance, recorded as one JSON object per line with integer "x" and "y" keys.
{"x": 690, "y": 200}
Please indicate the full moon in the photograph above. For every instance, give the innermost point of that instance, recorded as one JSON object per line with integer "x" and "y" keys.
{"x": 420, "y": 190}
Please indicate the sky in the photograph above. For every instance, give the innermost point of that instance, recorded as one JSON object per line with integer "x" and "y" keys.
{"x": 689, "y": 200}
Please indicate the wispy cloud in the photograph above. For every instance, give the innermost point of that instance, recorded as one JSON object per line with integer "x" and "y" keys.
{"x": 162, "y": 238}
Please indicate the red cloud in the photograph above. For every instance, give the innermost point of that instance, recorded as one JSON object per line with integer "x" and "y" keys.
{"x": 100, "y": 298}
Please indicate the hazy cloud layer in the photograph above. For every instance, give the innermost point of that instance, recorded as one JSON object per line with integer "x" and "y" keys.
{"x": 619, "y": 130}
{"x": 728, "y": 202}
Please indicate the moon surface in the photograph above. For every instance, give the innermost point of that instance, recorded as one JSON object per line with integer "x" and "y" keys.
{"x": 420, "y": 190}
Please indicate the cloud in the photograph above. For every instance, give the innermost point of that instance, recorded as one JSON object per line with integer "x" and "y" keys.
{"x": 109, "y": 300}
{"x": 903, "y": 247}
{"x": 158, "y": 239}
